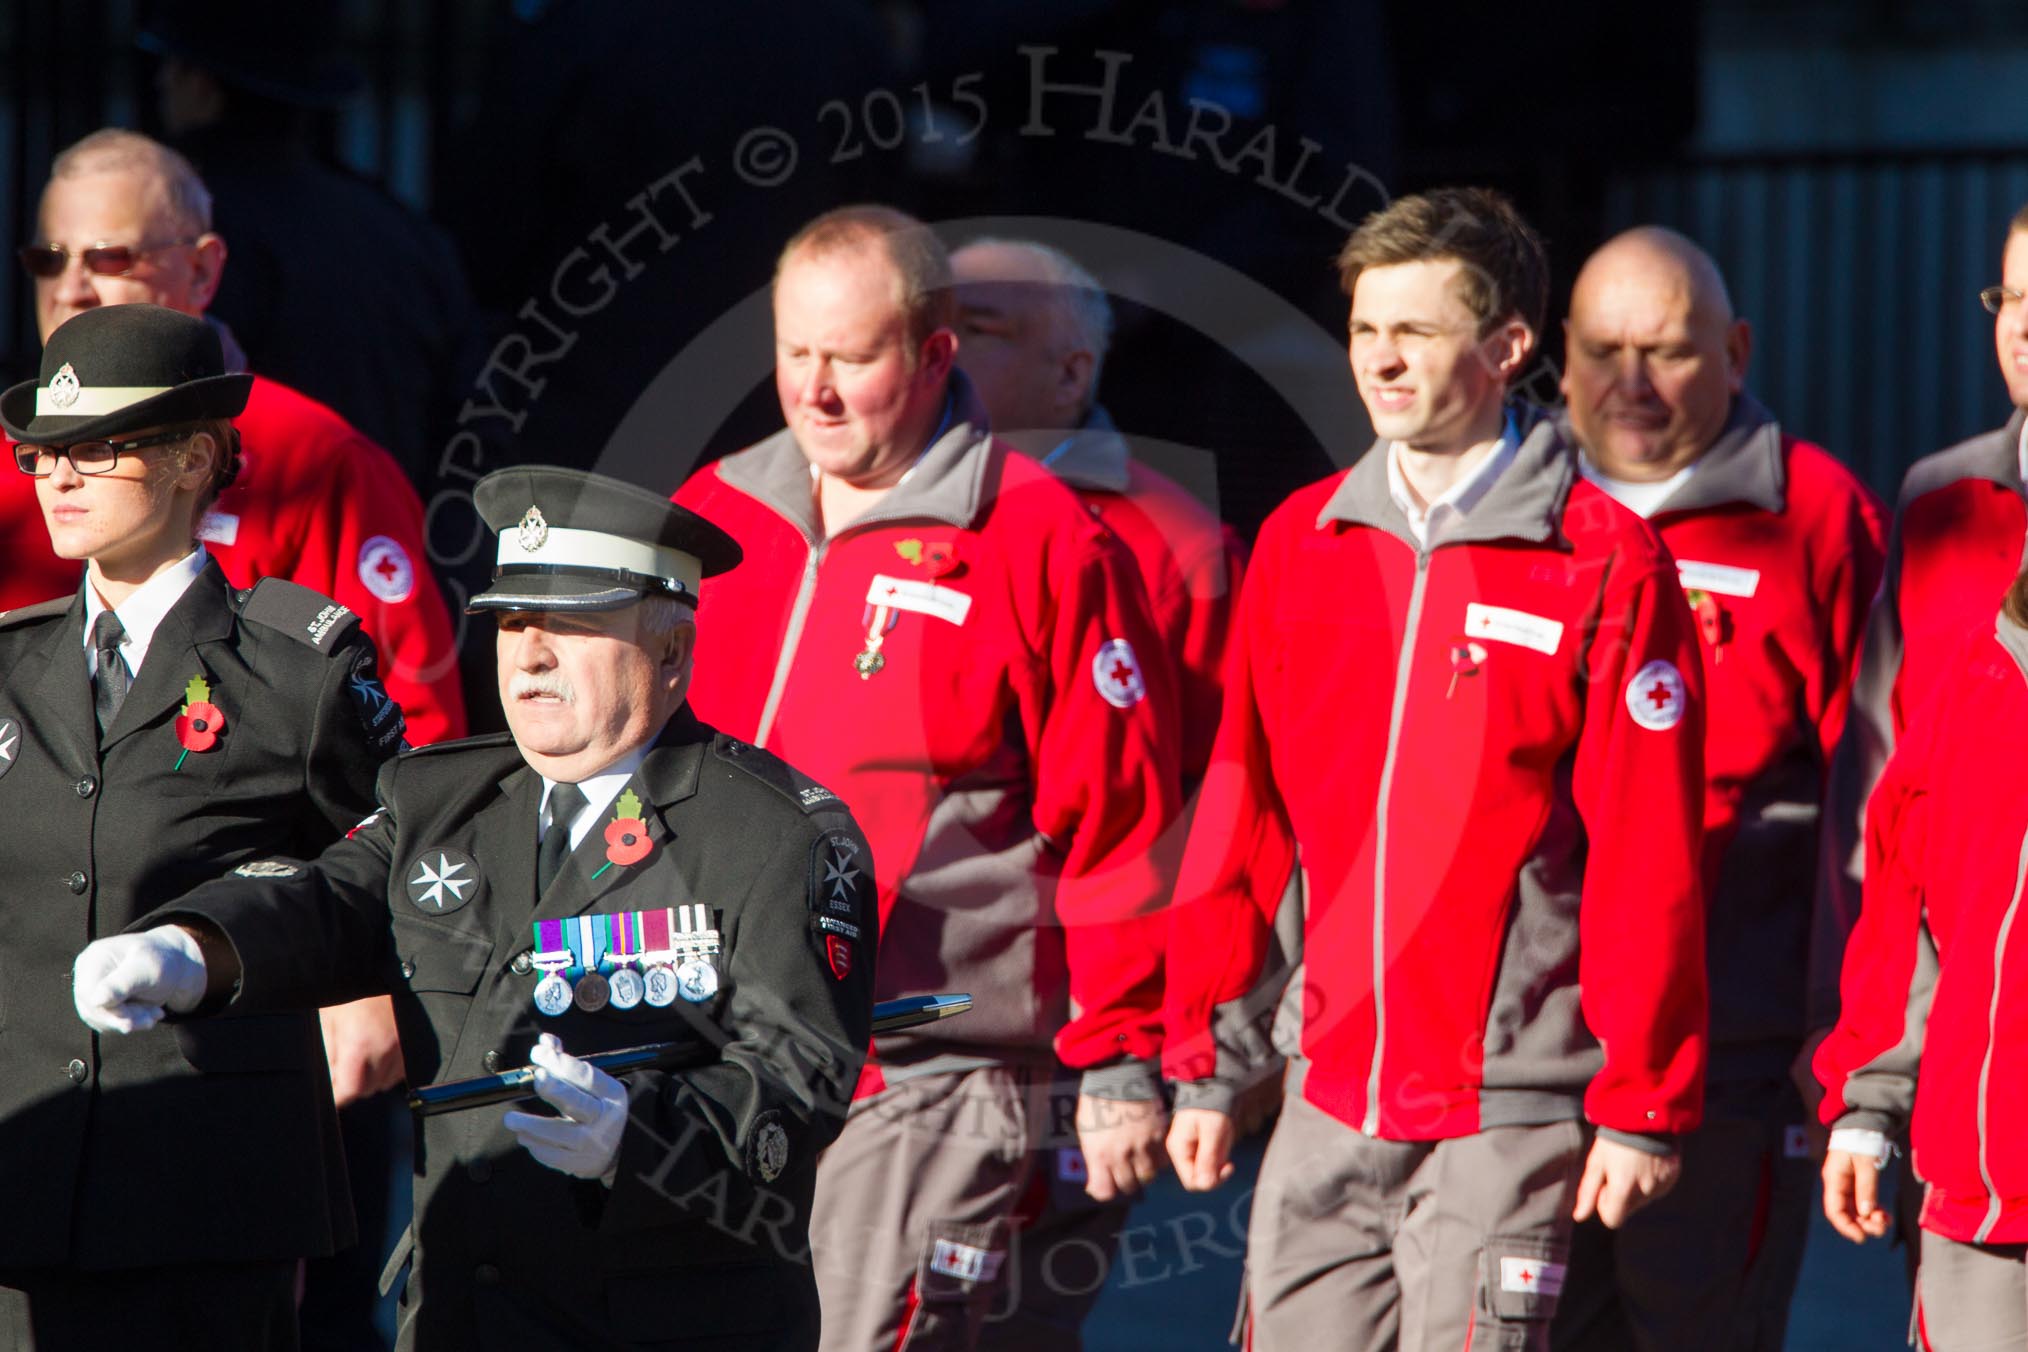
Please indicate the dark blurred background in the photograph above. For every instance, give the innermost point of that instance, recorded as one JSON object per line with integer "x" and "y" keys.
{"x": 1852, "y": 165}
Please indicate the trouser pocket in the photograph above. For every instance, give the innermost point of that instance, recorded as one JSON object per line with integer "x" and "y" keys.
{"x": 1520, "y": 1278}
{"x": 957, "y": 1279}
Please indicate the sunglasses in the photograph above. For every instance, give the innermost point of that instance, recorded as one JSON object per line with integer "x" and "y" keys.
{"x": 86, "y": 457}
{"x": 44, "y": 261}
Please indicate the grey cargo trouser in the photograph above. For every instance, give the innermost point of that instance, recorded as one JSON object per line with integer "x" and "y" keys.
{"x": 1416, "y": 1245}
{"x": 915, "y": 1207}
{"x": 1974, "y": 1297}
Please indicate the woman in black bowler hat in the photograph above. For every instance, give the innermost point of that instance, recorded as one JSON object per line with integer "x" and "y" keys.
{"x": 158, "y": 728}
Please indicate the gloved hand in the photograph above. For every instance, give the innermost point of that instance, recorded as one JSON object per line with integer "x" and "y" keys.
{"x": 123, "y": 984}
{"x": 585, "y": 1141}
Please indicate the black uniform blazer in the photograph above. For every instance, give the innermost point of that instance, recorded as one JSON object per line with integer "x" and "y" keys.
{"x": 702, "y": 1241}
{"x": 212, "y": 1142}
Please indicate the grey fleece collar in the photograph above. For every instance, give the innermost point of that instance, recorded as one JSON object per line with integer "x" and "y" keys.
{"x": 946, "y": 485}
{"x": 1524, "y": 503}
{"x": 1743, "y": 465}
{"x": 1095, "y": 456}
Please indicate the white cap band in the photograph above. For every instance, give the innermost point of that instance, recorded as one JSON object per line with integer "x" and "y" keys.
{"x": 557, "y": 546}
{"x": 94, "y": 402}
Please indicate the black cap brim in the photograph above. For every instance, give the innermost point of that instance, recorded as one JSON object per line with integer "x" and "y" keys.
{"x": 556, "y": 591}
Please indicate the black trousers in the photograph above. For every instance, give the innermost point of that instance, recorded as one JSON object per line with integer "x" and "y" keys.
{"x": 219, "y": 1307}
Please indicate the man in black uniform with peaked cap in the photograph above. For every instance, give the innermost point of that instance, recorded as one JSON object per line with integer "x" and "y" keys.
{"x": 610, "y": 873}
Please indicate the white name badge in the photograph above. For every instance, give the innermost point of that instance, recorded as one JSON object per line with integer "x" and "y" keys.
{"x": 218, "y": 528}
{"x": 1513, "y": 626}
{"x": 924, "y": 598}
{"x": 1718, "y": 578}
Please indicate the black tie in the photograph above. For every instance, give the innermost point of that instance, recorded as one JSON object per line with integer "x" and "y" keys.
{"x": 565, "y": 802}
{"x": 113, "y": 678}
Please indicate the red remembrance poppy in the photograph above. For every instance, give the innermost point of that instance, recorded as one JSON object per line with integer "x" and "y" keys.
{"x": 940, "y": 557}
{"x": 198, "y": 726}
{"x": 626, "y": 841}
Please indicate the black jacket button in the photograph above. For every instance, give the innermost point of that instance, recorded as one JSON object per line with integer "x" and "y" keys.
{"x": 87, "y": 786}
{"x": 76, "y": 1070}
{"x": 78, "y": 882}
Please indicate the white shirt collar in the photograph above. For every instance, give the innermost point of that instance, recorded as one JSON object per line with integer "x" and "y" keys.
{"x": 1456, "y": 500}
{"x": 599, "y": 791}
{"x": 2022, "y": 454}
{"x": 1643, "y": 499}
{"x": 142, "y": 613}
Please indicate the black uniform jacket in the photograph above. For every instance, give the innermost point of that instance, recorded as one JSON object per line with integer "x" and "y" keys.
{"x": 205, "y": 1142}
{"x": 702, "y": 1240}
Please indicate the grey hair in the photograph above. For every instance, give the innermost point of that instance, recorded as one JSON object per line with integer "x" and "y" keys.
{"x": 116, "y": 150}
{"x": 662, "y": 616}
{"x": 1080, "y": 297}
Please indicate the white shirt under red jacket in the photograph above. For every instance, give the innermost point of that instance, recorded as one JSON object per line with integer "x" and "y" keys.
{"x": 315, "y": 503}
{"x": 1489, "y": 751}
{"x": 962, "y": 665}
{"x": 1779, "y": 550}
{"x": 1934, "y": 1021}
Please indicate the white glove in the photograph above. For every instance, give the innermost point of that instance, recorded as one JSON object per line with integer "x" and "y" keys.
{"x": 585, "y": 1141}
{"x": 125, "y": 983}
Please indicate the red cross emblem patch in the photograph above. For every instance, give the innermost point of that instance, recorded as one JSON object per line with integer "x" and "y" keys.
{"x": 1655, "y": 697}
{"x": 1117, "y": 674}
{"x": 385, "y": 569}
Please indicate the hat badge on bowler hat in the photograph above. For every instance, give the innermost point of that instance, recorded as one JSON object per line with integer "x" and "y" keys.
{"x": 118, "y": 369}
{"x": 570, "y": 540}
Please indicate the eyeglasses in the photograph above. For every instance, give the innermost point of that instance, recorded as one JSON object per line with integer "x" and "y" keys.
{"x": 86, "y": 457}
{"x": 45, "y": 261}
{"x": 1998, "y": 298}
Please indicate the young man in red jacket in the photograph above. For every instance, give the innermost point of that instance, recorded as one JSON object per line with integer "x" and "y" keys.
{"x": 1033, "y": 329}
{"x": 1778, "y": 547}
{"x": 1465, "y": 688}
{"x": 936, "y": 630}
{"x": 1931, "y": 1043}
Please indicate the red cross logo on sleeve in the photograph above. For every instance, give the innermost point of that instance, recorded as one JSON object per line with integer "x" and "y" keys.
{"x": 1656, "y": 696}
{"x": 1117, "y": 674}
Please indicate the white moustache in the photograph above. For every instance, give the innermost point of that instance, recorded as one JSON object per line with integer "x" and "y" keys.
{"x": 524, "y": 686}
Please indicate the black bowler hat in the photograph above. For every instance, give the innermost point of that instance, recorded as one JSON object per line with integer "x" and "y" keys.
{"x": 576, "y": 541}
{"x": 119, "y": 368}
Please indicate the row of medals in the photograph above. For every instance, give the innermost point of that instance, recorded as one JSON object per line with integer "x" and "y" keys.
{"x": 694, "y": 979}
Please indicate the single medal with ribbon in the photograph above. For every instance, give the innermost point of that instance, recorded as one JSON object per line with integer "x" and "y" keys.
{"x": 624, "y": 985}
{"x": 697, "y": 943}
{"x": 658, "y": 971}
{"x": 552, "y": 958}
{"x": 879, "y": 619}
{"x": 587, "y": 936}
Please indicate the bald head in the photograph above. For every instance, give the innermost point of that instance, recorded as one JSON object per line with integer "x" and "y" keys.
{"x": 1033, "y": 327}
{"x": 1653, "y": 354}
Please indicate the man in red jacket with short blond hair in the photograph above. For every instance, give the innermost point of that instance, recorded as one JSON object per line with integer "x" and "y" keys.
{"x": 936, "y": 630}
{"x": 1465, "y": 696}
